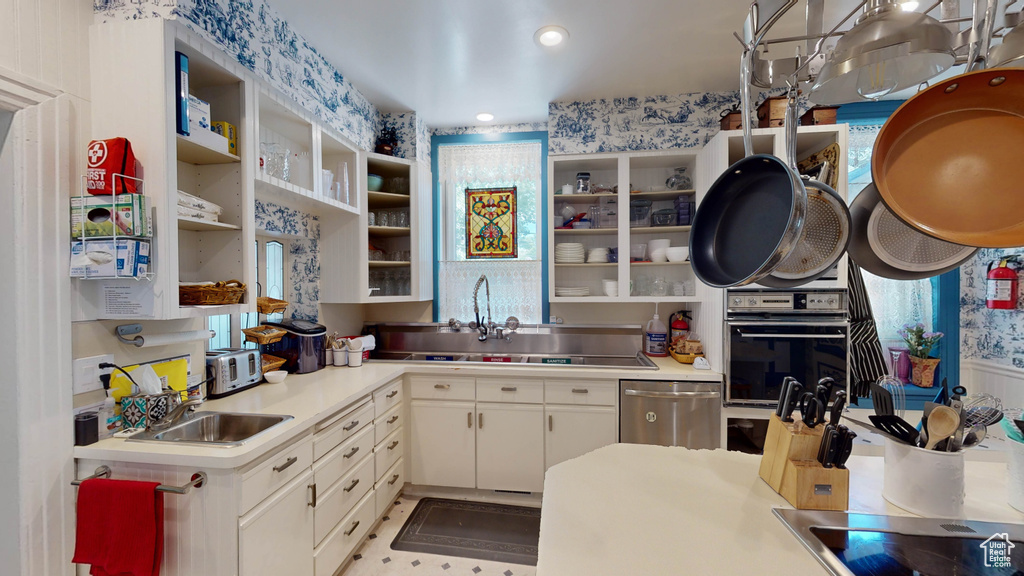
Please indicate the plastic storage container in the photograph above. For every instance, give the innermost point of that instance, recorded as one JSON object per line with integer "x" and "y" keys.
{"x": 639, "y": 213}
{"x": 664, "y": 217}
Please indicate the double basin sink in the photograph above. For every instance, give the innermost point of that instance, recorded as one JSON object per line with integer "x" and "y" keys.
{"x": 225, "y": 429}
{"x": 639, "y": 361}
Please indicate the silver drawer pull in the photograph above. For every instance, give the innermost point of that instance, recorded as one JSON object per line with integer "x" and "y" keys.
{"x": 351, "y": 486}
{"x": 286, "y": 464}
{"x": 393, "y": 419}
{"x": 312, "y": 488}
{"x": 393, "y": 479}
{"x": 442, "y": 386}
{"x": 392, "y": 394}
{"x": 508, "y": 388}
{"x": 656, "y": 394}
{"x": 351, "y": 425}
{"x": 469, "y": 419}
{"x": 352, "y": 452}
{"x": 392, "y": 445}
{"x": 551, "y": 423}
{"x": 580, "y": 391}
{"x": 352, "y": 529}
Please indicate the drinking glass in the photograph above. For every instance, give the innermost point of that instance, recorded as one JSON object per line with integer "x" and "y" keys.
{"x": 402, "y": 218}
{"x": 659, "y": 287}
{"x": 371, "y": 218}
{"x": 383, "y": 218}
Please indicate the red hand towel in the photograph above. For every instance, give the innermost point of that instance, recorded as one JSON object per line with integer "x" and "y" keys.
{"x": 120, "y": 527}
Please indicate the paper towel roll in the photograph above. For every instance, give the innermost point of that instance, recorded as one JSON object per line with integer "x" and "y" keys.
{"x": 175, "y": 338}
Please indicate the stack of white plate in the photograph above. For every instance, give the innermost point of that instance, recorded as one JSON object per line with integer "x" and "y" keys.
{"x": 597, "y": 255}
{"x": 568, "y": 292}
{"x": 569, "y": 253}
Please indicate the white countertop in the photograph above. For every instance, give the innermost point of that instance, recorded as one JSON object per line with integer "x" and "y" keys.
{"x": 311, "y": 398}
{"x": 678, "y": 511}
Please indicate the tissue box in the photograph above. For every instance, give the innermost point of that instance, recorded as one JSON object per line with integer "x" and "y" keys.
{"x": 198, "y": 113}
{"x": 132, "y": 258}
{"x": 141, "y": 410}
{"x": 96, "y": 216}
{"x": 228, "y": 131}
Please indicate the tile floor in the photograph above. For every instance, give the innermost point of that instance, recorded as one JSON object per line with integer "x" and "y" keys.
{"x": 376, "y": 558}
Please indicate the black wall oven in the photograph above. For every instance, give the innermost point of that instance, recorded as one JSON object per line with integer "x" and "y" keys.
{"x": 774, "y": 334}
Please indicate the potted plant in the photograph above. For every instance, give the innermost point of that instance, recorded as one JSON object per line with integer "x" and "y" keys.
{"x": 920, "y": 344}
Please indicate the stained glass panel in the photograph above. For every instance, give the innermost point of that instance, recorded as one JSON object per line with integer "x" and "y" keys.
{"x": 491, "y": 223}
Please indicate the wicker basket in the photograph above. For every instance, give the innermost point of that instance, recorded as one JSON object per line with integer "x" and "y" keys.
{"x": 230, "y": 292}
{"x": 271, "y": 363}
{"x": 264, "y": 334}
{"x": 684, "y": 358}
{"x": 268, "y": 305}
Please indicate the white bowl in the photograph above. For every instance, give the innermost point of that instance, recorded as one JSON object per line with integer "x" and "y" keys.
{"x": 678, "y": 253}
{"x": 276, "y": 377}
{"x": 658, "y": 243}
{"x": 658, "y": 255}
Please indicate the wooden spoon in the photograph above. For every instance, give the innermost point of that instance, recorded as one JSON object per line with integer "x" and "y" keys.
{"x": 942, "y": 423}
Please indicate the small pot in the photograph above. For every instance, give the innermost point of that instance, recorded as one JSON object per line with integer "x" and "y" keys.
{"x": 923, "y": 372}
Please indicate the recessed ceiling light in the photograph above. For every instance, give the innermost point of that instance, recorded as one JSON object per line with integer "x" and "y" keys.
{"x": 551, "y": 35}
{"x": 485, "y": 117}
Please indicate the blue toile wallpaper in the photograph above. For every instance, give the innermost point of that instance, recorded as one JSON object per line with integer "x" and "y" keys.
{"x": 404, "y": 124}
{"x": 111, "y": 10}
{"x": 494, "y": 129}
{"x": 993, "y": 335}
{"x": 303, "y": 229}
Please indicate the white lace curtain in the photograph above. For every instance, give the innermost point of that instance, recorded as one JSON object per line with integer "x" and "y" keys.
{"x": 894, "y": 302}
{"x": 515, "y": 283}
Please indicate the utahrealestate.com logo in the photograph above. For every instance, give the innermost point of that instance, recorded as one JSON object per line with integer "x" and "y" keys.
{"x": 997, "y": 550}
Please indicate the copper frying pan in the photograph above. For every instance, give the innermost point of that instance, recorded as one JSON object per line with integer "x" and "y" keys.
{"x": 948, "y": 161}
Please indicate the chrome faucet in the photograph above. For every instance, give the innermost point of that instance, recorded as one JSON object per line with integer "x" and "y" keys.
{"x": 173, "y": 416}
{"x": 487, "y": 325}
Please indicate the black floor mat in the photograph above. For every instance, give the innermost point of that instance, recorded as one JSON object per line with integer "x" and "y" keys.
{"x": 495, "y": 532}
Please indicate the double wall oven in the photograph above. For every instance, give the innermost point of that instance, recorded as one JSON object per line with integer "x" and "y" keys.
{"x": 771, "y": 334}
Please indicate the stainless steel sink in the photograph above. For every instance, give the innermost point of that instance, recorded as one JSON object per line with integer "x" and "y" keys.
{"x": 226, "y": 429}
{"x": 577, "y": 360}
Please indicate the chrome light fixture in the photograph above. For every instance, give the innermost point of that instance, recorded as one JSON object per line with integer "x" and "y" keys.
{"x": 889, "y": 49}
{"x": 1009, "y": 54}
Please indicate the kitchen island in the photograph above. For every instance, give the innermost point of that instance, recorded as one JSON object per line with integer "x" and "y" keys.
{"x": 678, "y": 511}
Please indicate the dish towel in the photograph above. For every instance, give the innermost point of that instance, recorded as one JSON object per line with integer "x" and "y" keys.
{"x": 120, "y": 527}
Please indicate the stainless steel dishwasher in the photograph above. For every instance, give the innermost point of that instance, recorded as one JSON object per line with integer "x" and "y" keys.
{"x": 685, "y": 414}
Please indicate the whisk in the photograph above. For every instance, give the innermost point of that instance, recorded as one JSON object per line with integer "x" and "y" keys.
{"x": 982, "y": 408}
{"x": 899, "y": 394}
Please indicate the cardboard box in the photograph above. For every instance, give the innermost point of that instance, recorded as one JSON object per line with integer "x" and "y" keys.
{"x": 208, "y": 138}
{"x": 96, "y": 216}
{"x": 198, "y": 113}
{"x": 131, "y": 260}
{"x": 228, "y": 131}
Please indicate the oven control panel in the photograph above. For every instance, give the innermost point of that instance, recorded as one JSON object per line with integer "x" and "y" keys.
{"x": 785, "y": 301}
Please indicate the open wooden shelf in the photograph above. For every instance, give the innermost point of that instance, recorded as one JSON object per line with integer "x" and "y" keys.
{"x": 386, "y": 200}
{"x": 195, "y": 153}
{"x": 659, "y": 229}
{"x": 585, "y": 231}
{"x": 187, "y": 223}
{"x": 388, "y": 231}
{"x": 388, "y": 264}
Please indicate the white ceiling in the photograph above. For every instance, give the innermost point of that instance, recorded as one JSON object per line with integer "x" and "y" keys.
{"x": 447, "y": 60}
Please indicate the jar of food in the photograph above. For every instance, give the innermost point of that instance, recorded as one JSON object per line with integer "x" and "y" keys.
{"x": 679, "y": 180}
{"x": 583, "y": 182}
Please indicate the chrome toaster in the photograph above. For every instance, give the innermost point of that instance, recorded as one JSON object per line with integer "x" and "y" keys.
{"x": 231, "y": 370}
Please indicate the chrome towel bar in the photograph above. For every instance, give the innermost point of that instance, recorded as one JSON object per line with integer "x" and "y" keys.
{"x": 197, "y": 481}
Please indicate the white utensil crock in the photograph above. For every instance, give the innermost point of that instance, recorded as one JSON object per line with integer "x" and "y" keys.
{"x": 925, "y": 482}
{"x": 1015, "y": 466}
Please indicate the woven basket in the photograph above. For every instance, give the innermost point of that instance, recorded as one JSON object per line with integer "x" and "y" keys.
{"x": 264, "y": 334}
{"x": 230, "y": 292}
{"x": 268, "y": 305}
{"x": 684, "y": 358}
{"x": 271, "y": 363}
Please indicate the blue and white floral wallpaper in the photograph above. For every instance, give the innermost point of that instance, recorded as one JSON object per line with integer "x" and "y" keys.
{"x": 495, "y": 129}
{"x": 404, "y": 124}
{"x": 995, "y": 336}
{"x": 303, "y": 229}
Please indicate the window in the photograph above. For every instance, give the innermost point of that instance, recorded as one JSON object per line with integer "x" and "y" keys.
{"x": 516, "y": 284}
{"x": 271, "y": 278}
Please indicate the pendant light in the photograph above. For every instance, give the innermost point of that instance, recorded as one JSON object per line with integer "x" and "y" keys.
{"x": 1009, "y": 54}
{"x": 889, "y": 49}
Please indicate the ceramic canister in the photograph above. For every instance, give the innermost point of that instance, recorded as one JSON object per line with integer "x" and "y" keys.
{"x": 1015, "y": 466}
{"x": 925, "y": 482}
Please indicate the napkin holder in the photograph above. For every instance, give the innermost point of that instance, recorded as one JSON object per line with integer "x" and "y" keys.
{"x": 790, "y": 466}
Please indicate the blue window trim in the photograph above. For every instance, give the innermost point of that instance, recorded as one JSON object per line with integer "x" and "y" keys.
{"x": 461, "y": 139}
{"x": 945, "y": 288}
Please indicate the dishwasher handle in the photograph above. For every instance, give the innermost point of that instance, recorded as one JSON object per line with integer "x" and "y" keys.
{"x": 660, "y": 394}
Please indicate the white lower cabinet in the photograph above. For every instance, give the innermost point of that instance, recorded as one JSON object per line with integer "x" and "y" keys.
{"x": 334, "y": 550}
{"x": 571, "y": 431}
{"x": 443, "y": 443}
{"x": 510, "y": 447}
{"x": 274, "y": 537}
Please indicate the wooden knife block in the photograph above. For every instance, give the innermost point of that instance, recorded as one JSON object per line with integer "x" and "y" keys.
{"x": 790, "y": 466}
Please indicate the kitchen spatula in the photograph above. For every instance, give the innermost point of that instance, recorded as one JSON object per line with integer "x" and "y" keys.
{"x": 896, "y": 426}
{"x": 882, "y": 400}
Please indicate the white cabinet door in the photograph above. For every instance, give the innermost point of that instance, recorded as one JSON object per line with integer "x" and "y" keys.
{"x": 572, "y": 431}
{"x": 510, "y": 447}
{"x": 442, "y": 440}
{"x": 276, "y": 537}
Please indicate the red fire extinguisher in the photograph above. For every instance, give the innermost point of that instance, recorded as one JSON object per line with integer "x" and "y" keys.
{"x": 1001, "y": 286}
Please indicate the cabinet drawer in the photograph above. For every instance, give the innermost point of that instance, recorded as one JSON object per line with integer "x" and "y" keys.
{"x": 442, "y": 388}
{"x": 388, "y": 452}
{"x": 332, "y": 552}
{"x": 581, "y": 392}
{"x": 388, "y": 423}
{"x": 274, "y": 473}
{"x": 337, "y": 429}
{"x": 514, "y": 390}
{"x": 387, "y": 397}
{"x": 389, "y": 486}
{"x": 345, "y": 457}
{"x": 334, "y": 502}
